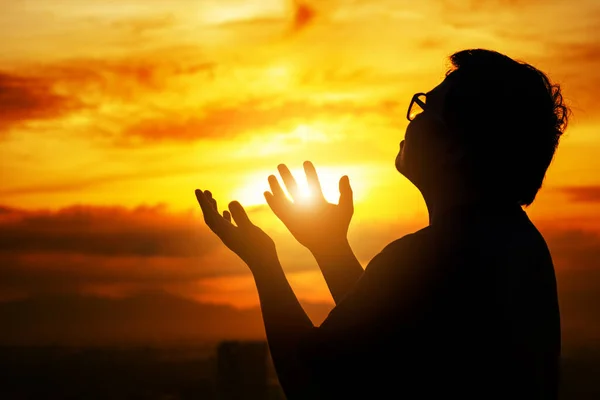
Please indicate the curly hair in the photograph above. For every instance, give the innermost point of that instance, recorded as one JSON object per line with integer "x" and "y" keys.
{"x": 509, "y": 116}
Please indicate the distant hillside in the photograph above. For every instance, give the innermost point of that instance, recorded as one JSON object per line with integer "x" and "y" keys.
{"x": 147, "y": 318}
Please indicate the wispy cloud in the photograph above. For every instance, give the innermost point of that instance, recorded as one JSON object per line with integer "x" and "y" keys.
{"x": 139, "y": 26}
{"x": 110, "y": 231}
{"x": 586, "y": 194}
{"x": 261, "y": 115}
{"x": 303, "y": 15}
{"x": 108, "y": 250}
{"x": 56, "y": 90}
{"x": 29, "y": 98}
{"x": 90, "y": 182}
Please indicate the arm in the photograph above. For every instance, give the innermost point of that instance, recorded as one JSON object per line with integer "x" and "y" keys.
{"x": 287, "y": 327}
{"x": 286, "y": 323}
{"x": 320, "y": 226}
{"x": 340, "y": 268}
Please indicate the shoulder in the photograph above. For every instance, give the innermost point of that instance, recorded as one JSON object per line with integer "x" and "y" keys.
{"x": 413, "y": 243}
{"x": 410, "y": 248}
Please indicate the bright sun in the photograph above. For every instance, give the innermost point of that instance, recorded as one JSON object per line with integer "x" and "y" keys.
{"x": 252, "y": 193}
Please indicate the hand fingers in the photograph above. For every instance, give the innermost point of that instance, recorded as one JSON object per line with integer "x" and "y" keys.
{"x": 270, "y": 198}
{"x": 227, "y": 215}
{"x": 289, "y": 181}
{"x": 212, "y": 201}
{"x": 211, "y": 216}
{"x": 278, "y": 205}
{"x": 239, "y": 215}
{"x": 205, "y": 205}
{"x": 313, "y": 180}
{"x": 346, "y": 201}
{"x": 275, "y": 187}
{"x": 277, "y": 200}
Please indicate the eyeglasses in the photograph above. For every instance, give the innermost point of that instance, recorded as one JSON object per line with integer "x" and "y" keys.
{"x": 417, "y": 106}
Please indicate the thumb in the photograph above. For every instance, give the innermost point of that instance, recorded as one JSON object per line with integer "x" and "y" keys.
{"x": 346, "y": 196}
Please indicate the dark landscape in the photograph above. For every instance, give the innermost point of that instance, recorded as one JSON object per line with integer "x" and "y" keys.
{"x": 94, "y": 349}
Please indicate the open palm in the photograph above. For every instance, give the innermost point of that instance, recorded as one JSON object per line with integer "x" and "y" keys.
{"x": 314, "y": 222}
{"x": 246, "y": 240}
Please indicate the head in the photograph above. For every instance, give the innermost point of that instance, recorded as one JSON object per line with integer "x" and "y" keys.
{"x": 491, "y": 126}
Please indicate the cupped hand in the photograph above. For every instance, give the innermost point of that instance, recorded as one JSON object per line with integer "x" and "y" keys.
{"x": 245, "y": 239}
{"x": 314, "y": 222}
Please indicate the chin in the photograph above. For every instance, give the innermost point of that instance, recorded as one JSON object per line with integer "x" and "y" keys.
{"x": 398, "y": 162}
{"x": 404, "y": 168}
{"x": 400, "y": 165}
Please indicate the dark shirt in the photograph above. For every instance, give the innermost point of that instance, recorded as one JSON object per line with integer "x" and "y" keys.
{"x": 465, "y": 308}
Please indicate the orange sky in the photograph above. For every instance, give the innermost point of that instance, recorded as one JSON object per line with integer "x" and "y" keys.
{"x": 113, "y": 112}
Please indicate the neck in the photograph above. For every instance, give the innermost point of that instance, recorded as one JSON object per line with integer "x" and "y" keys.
{"x": 442, "y": 199}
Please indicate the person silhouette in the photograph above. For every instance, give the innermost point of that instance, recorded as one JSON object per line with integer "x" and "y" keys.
{"x": 465, "y": 307}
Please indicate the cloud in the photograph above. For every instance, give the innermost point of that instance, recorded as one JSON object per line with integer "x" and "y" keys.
{"x": 300, "y": 15}
{"x": 108, "y": 231}
{"x": 471, "y": 13}
{"x": 112, "y": 251}
{"x": 134, "y": 100}
{"x": 250, "y": 116}
{"x": 26, "y": 98}
{"x": 127, "y": 78}
{"x": 53, "y": 91}
{"x": 303, "y": 15}
{"x": 140, "y": 26}
{"x": 579, "y": 66}
{"x": 78, "y": 184}
{"x": 475, "y": 6}
{"x": 25, "y": 275}
{"x": 582, "y": 194}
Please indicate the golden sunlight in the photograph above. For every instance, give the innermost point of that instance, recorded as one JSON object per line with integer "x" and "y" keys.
{"x": 252, "y": 193}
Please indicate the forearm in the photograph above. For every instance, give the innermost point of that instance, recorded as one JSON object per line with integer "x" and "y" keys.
{"x": 286, "y": 326}
{"x": 340, "y": 268}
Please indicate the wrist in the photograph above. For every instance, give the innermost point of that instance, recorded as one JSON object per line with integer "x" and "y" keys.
{"x": 334, "y": 248}
{"x": 264, "y": 266}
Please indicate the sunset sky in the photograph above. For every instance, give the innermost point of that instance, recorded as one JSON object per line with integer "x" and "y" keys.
{"x": 113, "y": 112}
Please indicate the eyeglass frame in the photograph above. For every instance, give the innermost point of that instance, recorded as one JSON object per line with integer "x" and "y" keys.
{"x": 415, "y": 99}
{"x": 423, "y": 105}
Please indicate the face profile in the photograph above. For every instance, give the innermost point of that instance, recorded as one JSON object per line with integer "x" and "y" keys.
{"x": 426, "y": 146}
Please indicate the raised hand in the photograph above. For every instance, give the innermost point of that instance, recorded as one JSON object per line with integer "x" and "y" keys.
{"x": 246, "y": 240}
{"x": 316, "y": 224}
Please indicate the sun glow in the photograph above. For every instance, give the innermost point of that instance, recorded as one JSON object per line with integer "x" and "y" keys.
{"x": 252, "y": 193}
